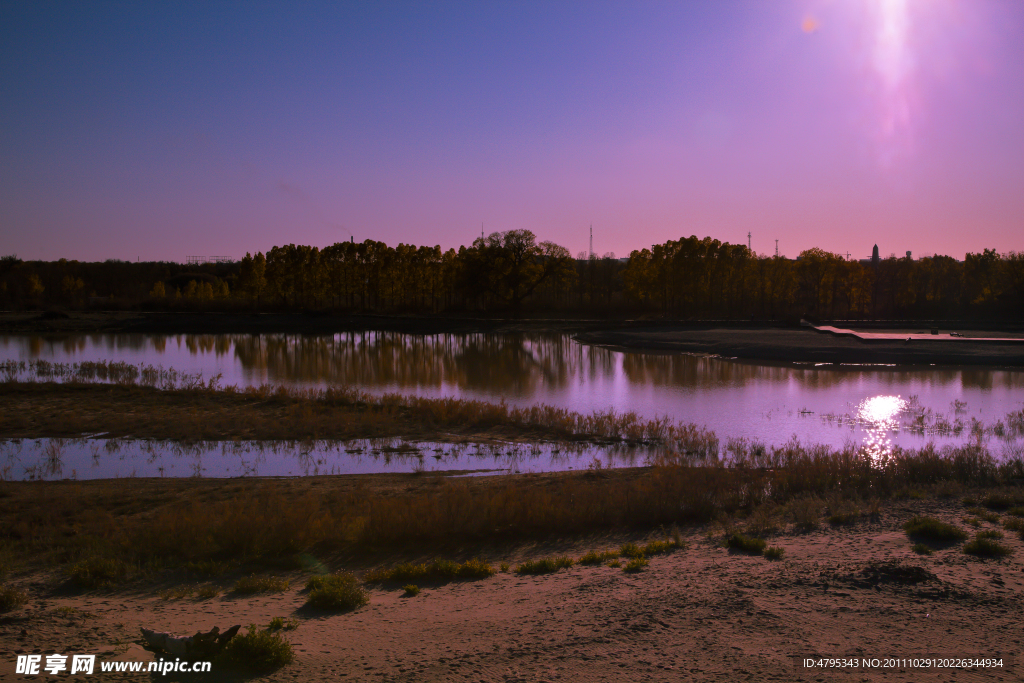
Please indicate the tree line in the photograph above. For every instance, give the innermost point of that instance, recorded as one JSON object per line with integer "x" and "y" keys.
{"x": 511, "y": 273}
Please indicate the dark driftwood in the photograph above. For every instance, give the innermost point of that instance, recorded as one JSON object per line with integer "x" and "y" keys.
{"x": 198, "y": 645}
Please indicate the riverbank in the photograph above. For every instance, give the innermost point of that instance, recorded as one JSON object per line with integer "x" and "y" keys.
{"x": 851, "y": 587}
{"x": 773, "y": 342}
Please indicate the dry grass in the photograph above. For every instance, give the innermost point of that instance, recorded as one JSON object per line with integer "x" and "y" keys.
{"x": 247, "y": 585}
{"x": 336, "y": 592}
{"x": 11, "y": 598}
{"x": 438, "y": 570}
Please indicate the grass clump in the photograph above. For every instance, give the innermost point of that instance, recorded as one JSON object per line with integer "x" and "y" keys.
{"x": 806, "y": 512}
{"x": 747, "y": 544}
{"x": 989, "y": 533}
{"x": 257, "y": 651}
{"x": 547, "y": 565}
{"x": 1016, "y": 511}
{"x": 1014, "y": 524}
{"x": 631, "y": 550}
{"x": 614, "y": 564}
{"x": 338, "y": 592}
{"x": 985, "y": 546}
{"x": 774, "y": 552}
{"x": 922, "y": 549}
{"x": 281, "y": 624}
{"x": 659, "y": 547}
{"x": 411, "y": 591}
{"x": 504, "y": 567}
{"x": 843, "y": 511}
{"x": 247, "y": 585}
{"x": 972, "y": 521}
{"x": 997, "y": 501}
{"x": 11, "y": 598}
{"x": 636, "y": 565}
{"x": 207, "y": 592}
{"x": 595, "y": 558}
{"x": 438, "y": 570}
{"x": 94, "y": 572}
{"x": 932, "y": 529}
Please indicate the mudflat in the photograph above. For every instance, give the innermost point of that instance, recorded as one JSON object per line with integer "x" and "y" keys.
{"x": 806, "y": 345}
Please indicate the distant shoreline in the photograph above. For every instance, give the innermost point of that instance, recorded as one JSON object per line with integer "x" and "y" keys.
{"x": 776, "y": 342}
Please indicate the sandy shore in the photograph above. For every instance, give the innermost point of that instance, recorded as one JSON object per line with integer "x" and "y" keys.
{"x": 704, "y": 613}
{"x": 809, "y": 346}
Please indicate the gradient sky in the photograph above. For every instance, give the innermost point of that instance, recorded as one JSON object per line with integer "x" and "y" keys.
{"x": 159, "y": 130}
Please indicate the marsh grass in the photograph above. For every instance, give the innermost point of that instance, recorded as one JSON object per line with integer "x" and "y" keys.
{"x": 257, "y": 651}
{"x": 547, "y": 565}
{"x": 11, "y": 598}
{"x": 248, "y": 585}
{"x": 336, "y": 592}
{"x": 985, "y": 546}
{"x": 746, "y": 544}
{"x": 931, "y": 529}
{"x": 437, "y": 570}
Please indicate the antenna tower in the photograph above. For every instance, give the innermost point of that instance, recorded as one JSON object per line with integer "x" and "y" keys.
{"x": 591, "y": 240}
{"x": 776, "y": 249}
{"x": 748, "y": 241}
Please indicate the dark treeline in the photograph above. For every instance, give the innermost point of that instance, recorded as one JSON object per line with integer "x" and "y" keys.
{"x": 511, "y": 273}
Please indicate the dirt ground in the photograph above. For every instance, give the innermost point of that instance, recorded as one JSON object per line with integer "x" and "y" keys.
{"x": 704, "y": 613}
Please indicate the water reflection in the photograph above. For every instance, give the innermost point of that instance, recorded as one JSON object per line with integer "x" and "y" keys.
{"x": 880, "y": 415}
{"x": 767, "y": 403}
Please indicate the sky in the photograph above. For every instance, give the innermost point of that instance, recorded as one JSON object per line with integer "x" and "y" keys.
{"x": 155, "y": 131}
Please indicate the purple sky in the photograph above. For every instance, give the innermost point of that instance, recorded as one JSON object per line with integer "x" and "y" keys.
{"x": 158, "y": 130}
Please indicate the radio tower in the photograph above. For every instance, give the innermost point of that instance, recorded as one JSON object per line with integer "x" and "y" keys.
{"x": 776, "y": 249}
{"x": 591, "y": 240}
{"x": 748, "y": 241}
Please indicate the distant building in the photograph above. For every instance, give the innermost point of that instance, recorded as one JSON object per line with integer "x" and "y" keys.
{"x": 874, "y": 256}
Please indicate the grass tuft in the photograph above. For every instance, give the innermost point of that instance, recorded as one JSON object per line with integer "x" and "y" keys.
{"x": 337, "y": 592}
{"x": 922, "y": 549}
{"x": 983, "y": 546}
{"x": 932, "y": 529}
{"x": 595, "y": 558}
{"x": 11, "y": 598}
{"x": 747, "y": 544}
{"x": 411, "y": 590}
{"x": 774, "y": 552}
{"x": 547, "y": 565}
{"x": 94, "y": 572}
{"x": 247, "y": 585}
{"x": 636, "y": 564}
{"x": 438, "y": 570}
{"x": 257, "y": 651}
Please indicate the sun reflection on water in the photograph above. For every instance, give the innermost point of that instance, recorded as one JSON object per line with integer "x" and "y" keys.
{"x": 880, "y": 416}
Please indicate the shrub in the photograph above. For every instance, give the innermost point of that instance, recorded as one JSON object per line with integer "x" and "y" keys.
{"x": 339, "y": 592}
{"x": 1014, "y": 524}
{"x": 922, "y": 549}
{"x": 614, "y": 564}
{"x": 1016, "y": 511}
{"x": 984, "y": 514}
{"x": 545, "y": 566}
{"x": 806, "y": 512}
{"x": 934, "y": 530}
{"x": 997, "y": 501}
{"x": 747, "y": 544}
{"x": 411, "y": 591}
{"x": 279, "y": 624}
{"x": 989, "y": 533}
{"x": 842, "y": 511}
{"x": 658, "y": 547}
{"x": 11, "y": 598}
{"x": 504, "y": 566}
{"x": 94, "y": 572}
{"x": 248, "y": 585}
{"x": 984, "y": 546}
{"x": 257, "y": 651}
{"x": 636, "y": 564}
{"x": 631, "y": 550}
{"x": 774, "y": 552}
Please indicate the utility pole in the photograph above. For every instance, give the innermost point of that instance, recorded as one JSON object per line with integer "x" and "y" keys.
{"x": 748, "y": 241}
{"x": 776, "y": 249}
{"x": 591, "y": 240}
{"x": 481, "y": 230}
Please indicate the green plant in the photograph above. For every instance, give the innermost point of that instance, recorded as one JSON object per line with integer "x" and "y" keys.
{"x": 636, "y": 564}
{"x": 806, "y": 512}
{"x": 438, "y": 570}
{"x": 985, "y": 514}
{"x": 614, "y": 564}
{"x": 842, "y": 511}
{"x": 985, "y": 547}
{"x": 932, "y": 529}
{"x": 989, "y": 533}
{"x": 747, "y": 544}
{"x": 248, "y": 585}
{"x": 972, "y": 521}
{"x": 658, "y": 547}
{"x": 545, "y": 566}
{"x": 774, "y": 552}
{"x": 631, "y": 550}
{"x": 504, "y": 566}
{"x": 207, "y": 591}
{"x": 997, "y": 501}
{"x": 922, "y": 549}
{"x": 11, "y": 598}
{"x": 1014, "y": 524}
{"x": 340, "y": 592}
{"x": 411, "y": 590}
{"x": 257, "y": 651}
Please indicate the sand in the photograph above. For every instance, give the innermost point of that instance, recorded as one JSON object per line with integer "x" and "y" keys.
{"x": 704, "y": 614}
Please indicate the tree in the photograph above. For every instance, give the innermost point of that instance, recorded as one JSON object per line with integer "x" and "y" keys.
{"x": 510, "y": 265}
